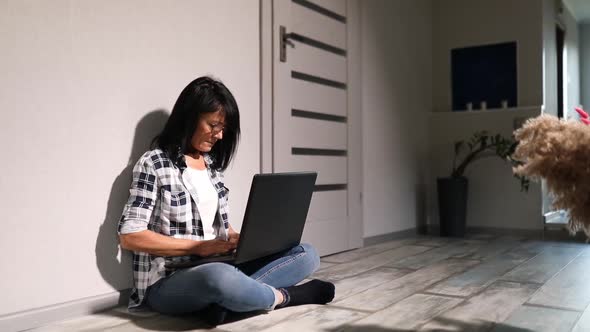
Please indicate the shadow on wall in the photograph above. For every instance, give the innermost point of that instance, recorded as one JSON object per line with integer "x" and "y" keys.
{"x": 115, "y": 269}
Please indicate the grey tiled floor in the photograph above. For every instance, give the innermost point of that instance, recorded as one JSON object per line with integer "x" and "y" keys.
{"x": 480, "y": 283}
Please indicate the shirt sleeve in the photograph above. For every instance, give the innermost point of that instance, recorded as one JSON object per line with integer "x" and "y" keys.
{"x": 142, "y": 198}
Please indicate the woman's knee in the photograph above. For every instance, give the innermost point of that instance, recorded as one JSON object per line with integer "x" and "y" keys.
{"x": 312, "y": 256}
{"x": 215, "y": 277}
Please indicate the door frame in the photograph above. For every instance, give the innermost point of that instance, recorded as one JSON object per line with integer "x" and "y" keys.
{"x": 354, "y": 144}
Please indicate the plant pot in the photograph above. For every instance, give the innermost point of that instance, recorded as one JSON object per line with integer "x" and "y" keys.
{"x": 452, "y": 205}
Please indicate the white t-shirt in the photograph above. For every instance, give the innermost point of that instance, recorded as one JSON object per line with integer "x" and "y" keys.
{"x": 208, "y": 199}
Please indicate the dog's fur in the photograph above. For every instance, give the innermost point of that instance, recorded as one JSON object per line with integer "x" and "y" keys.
{"x": 559, "y": 152}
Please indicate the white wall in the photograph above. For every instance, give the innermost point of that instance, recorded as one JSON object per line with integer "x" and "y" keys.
{"x": 553, "y": 16}
{"x": 396, "y": 89}
{"x": 549, "y": 77}
{"x": 549, "y": 58}
{"x": 585, "y": 64}
{"x": 78, "y": 79}
{"x": 494, "y": 199}
{"x": 463, "y": 23}
{"x": 572, "y": 62}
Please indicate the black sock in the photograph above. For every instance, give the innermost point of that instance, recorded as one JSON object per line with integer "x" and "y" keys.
{"x": 214, "y": 314}
{"x": 312, "y": 292}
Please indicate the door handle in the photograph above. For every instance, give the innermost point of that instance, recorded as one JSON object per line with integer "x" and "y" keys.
{"x": 284, "y": 41}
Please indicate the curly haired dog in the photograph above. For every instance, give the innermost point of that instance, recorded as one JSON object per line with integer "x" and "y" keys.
{"x": 558, "y": 151}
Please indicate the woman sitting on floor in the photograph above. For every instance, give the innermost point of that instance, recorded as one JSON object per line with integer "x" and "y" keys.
{"x": 178, "y": 206}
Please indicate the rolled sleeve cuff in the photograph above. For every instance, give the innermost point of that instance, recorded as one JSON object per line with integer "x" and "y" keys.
{"x": 131, "y": 226}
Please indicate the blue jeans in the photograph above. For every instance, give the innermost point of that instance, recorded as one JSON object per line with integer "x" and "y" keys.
{"x": 240, "y": 288}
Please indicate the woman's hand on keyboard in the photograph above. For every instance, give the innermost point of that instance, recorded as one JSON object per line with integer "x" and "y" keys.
{"x": 214, "y": 247}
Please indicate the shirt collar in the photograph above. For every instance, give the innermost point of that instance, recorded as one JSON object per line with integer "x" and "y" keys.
{"x": 207, "y": 157}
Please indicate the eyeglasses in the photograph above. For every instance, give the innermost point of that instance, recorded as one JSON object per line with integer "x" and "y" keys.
{"x": 216, "y": 128}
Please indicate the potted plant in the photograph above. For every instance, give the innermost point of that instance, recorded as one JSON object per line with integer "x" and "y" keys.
{"x": 452, "y": 191}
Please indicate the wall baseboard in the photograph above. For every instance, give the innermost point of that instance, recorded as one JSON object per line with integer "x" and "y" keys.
{"x": 527, "y": 233}
{"x": 434, "y": 230}
{"x": 28, "y": 319}
{"x": 371, "y": 240}
{"x": 553, "y": 233}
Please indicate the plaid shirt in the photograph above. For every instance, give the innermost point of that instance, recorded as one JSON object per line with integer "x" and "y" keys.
{"x": 163, "y": 200}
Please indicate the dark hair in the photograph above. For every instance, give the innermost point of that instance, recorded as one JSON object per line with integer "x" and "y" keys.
{"x": 203, "y": 95}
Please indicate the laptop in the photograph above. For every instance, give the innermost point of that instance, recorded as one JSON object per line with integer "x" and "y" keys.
{"x": 273, "y": 222}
